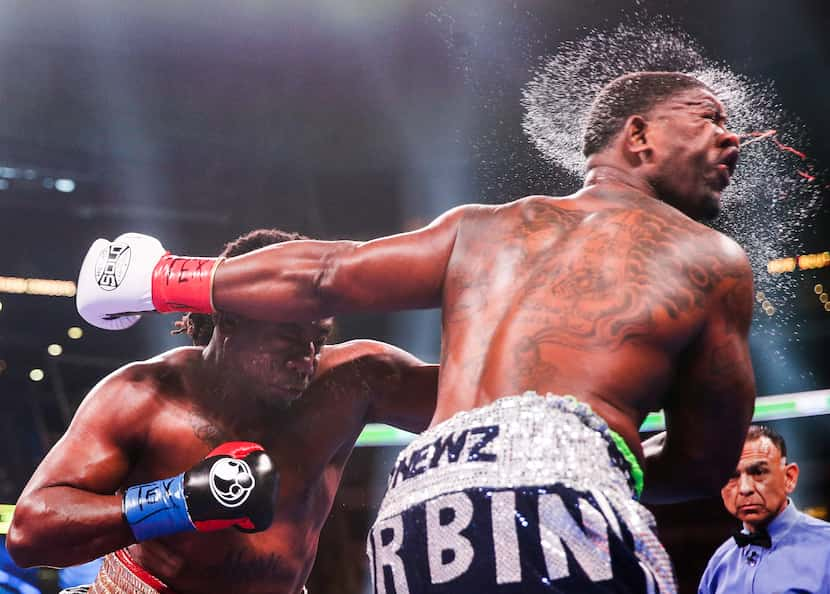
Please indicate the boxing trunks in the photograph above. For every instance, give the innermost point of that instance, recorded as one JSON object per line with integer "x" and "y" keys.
{"x": 527, "y": 494}
{"x": 120, "y": 574}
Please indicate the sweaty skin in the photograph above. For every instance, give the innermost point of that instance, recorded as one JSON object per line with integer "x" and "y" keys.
{"x": 613, "y": 294}
{"x": 158, "y": 418}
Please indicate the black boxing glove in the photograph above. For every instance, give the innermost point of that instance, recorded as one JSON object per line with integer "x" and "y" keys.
{"x": 235, "y": 485}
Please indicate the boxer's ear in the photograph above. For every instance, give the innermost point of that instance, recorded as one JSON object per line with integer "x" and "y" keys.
{"x": 790, "y": 476}
{"x": 636, "y": 137}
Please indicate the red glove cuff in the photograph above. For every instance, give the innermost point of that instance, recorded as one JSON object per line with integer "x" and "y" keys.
{"x": 236, "y": 449}
{"x": 211, "y": 525}
{"x": 184, "y": 284}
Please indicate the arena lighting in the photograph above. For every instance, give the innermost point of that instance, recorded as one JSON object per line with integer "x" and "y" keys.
{"x": 818, "y": 511}
{"x": 6, "y": 511}
{"x": 36, "y": 375}
{"x": 75, "y": 333}
{"x": 64, "y": 185}
{"x": 803, "y": 262}
{"x": 37, "y": 286}
{"x": 48, "y": 180}
{"x": 54, "y": 349}
{"x": 767, "y": 408}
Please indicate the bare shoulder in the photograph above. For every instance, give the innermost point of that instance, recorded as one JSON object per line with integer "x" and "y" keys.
{"x": 702, "y": 245}
{"x": 471, "y": 208}
{"x": 364, "y": 350}
{"x": 149, "y": 375}
{"x": 397, "y": 388}
{"x": 547, "y": 210}
{"x": 729, "y": 249}
{"x": 525, "y": 205}
{"x": 466, "y": 213}
{"x": 721, "y": 251}
{"x": 726, "y": 263}
{"x": 518, "y": 217}
{"x": 129, "y": 397}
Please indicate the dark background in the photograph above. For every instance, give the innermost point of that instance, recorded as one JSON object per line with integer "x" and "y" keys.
{"x": 197, "y": 121}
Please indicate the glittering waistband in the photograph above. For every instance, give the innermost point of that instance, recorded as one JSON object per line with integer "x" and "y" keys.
{"x": 120, "y": 574}
{"x": 516, "y": 441}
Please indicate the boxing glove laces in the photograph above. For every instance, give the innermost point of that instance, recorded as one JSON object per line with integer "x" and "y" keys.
{"x": 134, "y": 274}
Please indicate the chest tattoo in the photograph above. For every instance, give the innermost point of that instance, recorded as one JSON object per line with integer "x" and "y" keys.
{"x": 206, "y": 431}
{"x": 242, "y": 566}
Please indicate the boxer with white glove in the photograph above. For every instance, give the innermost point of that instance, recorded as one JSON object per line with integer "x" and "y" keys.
{"x": 157, "y": 417}
{"x": 134, "y": 274}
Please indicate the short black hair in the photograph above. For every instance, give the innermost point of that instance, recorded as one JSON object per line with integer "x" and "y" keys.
{"x": 759, "y": 431}
{"x": 200, "y": 326}
{"x": 631, "y": 94}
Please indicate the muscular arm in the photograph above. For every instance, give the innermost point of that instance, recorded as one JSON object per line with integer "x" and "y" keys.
{"x": 69, "y": 513}
{"x": 709, "y": 411}
{"x": 395, "y": 387}
{"x": 403, "y": 394}
{"x": 302, "y": 280}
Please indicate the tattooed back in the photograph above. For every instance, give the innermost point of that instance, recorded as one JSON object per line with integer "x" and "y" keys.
{"x": 600, "y": 295}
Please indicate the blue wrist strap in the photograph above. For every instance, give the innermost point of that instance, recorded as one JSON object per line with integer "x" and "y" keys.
{"x": 157, "y": 509}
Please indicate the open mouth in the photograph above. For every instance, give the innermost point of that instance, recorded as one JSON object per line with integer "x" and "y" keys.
{"x": 725, "y": 167}
{"x": 728, "y": 161}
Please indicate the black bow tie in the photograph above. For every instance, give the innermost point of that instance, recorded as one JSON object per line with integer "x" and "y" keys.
{"x": 759, "y": 538}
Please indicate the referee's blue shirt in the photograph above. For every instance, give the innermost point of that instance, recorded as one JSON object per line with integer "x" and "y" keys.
{"x": 797, "y": 562}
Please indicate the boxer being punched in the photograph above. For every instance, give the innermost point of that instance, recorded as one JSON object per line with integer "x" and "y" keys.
{"x": 274, "y": 384}
{"x": 614, "y": 295}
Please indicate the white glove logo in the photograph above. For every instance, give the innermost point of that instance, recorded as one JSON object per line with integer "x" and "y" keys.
{"x": 112, "y": 265}
{"x": 231, "y": 481}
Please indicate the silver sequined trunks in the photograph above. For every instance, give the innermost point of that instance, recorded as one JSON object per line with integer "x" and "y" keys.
{"x": 528, "y": 494}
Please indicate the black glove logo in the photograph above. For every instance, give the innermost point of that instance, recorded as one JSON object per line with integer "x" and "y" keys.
{"x": 112, "y": 265}
{"x": 231, "y": 481}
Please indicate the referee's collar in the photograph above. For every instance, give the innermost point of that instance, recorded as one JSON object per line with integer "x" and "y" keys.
{"x": 781, "y": 523}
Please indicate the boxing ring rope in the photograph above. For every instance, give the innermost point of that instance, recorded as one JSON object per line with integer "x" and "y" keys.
{"x": 6, "y": 511}
{"x": 767, "y": 408}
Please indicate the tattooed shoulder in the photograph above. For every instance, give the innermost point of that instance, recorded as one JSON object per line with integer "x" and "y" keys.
{"x": 206, "y": 431}
{"x": 611, "y": 278}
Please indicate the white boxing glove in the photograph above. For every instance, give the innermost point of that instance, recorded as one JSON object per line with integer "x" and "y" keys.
{"x": 117, "y": 277}
{"x": 121, "y": 279}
